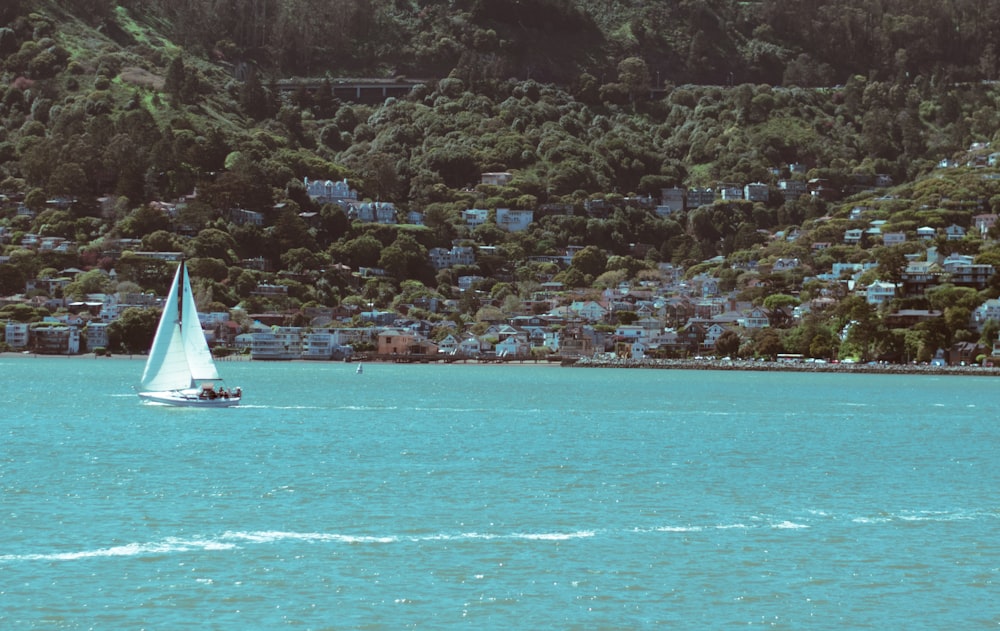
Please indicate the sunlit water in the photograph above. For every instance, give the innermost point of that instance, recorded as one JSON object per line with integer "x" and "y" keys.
{"x": 498, "y": 497}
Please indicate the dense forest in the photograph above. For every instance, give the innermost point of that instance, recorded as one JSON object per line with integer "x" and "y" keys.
{"x": 116, "y": 105}
{"x": 801, "y": 42}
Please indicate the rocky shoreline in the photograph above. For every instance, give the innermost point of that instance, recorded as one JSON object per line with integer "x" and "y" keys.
{"x": 768, "y": 366}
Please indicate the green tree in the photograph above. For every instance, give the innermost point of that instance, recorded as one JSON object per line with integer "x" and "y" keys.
{"x": 161, "y": 241}
{"x": 93, "y": 282}
{"x": 208, "y": 268}
{"x": 362, "y": 251}
{"x": 214, "y": 243}
{"x": 590, "y": 261}
{"x": 11, "y": 280}
{"x": 303, "y": 259}
{"x": 133, "y": 330}
{"x": 633, "y": 73}
{"x": 173, "y": 82}
{"x": 144, "y": 220}
{"x": 728, "y": 344}
{"x": 406, "y": 258}
{"x": 767, "y": 343}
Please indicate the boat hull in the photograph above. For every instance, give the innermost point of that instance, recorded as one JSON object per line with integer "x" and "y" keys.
{"x": 188, "y": 399}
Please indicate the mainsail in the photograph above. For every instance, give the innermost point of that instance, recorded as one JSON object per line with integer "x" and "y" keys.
{"x": 180, "y": 355}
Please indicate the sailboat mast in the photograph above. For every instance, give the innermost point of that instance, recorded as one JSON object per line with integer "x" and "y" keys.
{"x": 180, "y": 295}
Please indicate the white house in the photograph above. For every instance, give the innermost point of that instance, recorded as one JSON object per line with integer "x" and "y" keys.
{"x": 630, "y": 332}
{"x": 442, "y": 258}
{"x": 880, "y": 292}
{"x": 755, "y": 318}
{"x": 989, "y": 310}
{"x": 513, "y": 346}
{"x": 588, "y": 310}
{"x": 277, "y": 343}
{"x": 96, "y": 335}
{"x": 712, "y": 334}
{"x": 501, "y": 178}
{"x": 328, "y": 191}
{"x": 471, "y": 346}
{"x": 514, "y": 220}
{"x": 449, "y": 345}
{"x": 893, "y": 238}
{"x": 17, "y": 334}
{"x": 475, "y": 217}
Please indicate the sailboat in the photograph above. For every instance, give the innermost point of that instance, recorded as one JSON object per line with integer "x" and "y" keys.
{"x": 180, "y": 369}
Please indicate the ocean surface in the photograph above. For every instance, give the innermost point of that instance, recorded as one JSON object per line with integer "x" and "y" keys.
{"x": 498, "y": 497}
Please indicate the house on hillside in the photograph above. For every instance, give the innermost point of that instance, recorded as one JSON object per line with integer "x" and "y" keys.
{"x": 954, "y": 232}
{"x": 755, "y": 318}
{"x": 589, "y": 310}
{"x": 514, "y": 220}
{"x": 501, "y": 178}
{"x": 919, "y": 276}
{"x": 17, "y": 335}
{"x": 712, "y": 333}
{"x": 448, "y": 345}
{"x": 880, "y": 292}
{"x": 384, "y": 213}
{"x": 442, "y": 258}
{"x": 984, "y": 222}
{"x": 965, "y": 353}
{"x": 989, "y": 310}
{"x": 329, "y": 191}
{"x": 475, "y": 217}
{"x": 513, "y": 346}
{"x": 893, "y": 238}
{"x": 470, "y": 346}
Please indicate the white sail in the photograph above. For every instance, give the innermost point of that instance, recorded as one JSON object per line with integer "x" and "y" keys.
{"x": 180, "y": 355}
{"x": 201, "y": 366}
{"x": 166, "y": 368}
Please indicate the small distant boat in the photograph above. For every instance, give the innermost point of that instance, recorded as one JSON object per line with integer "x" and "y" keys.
{"x": 180, "y": 370}
{"x": 361, "y": 368}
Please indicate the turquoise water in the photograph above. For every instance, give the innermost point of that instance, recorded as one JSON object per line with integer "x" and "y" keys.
{"x": 498, "y": 497}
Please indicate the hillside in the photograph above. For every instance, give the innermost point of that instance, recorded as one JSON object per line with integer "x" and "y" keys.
{"x": 114, "y": 107}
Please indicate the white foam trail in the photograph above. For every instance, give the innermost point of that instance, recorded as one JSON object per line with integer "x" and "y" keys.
{"x": 230, "y": 540}
{"x": 272, "y": 536}
{"x": 788, "y": 525}
{"x": 554, "y": 536}
{"x": 167, "y": 546}
{"x": 679, "y": 529}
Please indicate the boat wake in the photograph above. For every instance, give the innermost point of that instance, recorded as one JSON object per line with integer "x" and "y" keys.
{"x": 242, "y": 539}
{"x": 167, "y": 546}
{"x": 233, "y": 540}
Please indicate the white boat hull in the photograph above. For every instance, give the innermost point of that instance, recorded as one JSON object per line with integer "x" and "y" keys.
{"x": 188, "y": 398}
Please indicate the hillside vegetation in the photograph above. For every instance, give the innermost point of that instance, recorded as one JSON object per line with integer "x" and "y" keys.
{"x": 115, "y": 105}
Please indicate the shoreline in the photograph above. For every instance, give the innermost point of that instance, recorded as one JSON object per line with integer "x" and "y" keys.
{"x": 589, "y": 362}
{"x": 247, "y": 359}
{"x": 773, "y": 366}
